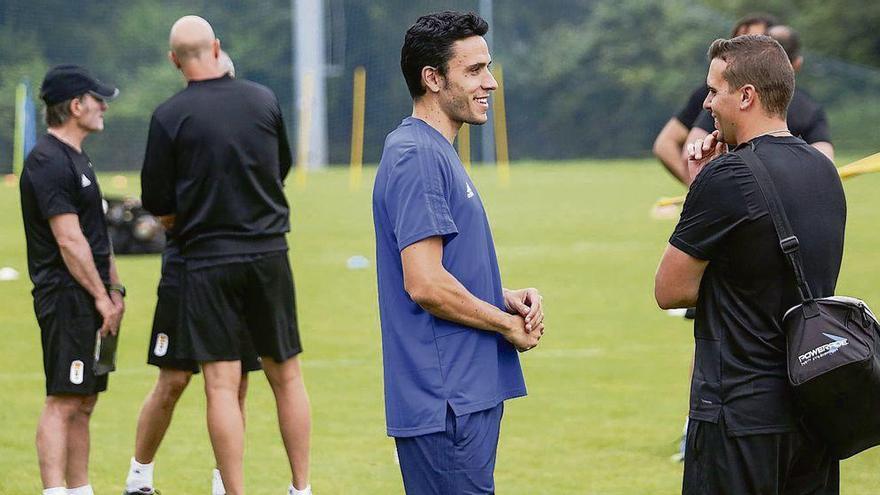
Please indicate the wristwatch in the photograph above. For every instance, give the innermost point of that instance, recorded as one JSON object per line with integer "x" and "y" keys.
{"x": 118, "y": 288}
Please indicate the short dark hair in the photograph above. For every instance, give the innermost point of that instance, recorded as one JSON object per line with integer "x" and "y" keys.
{"x": 789, "y": 39}
{"x": 760, "y": 61}
{"x": 768, "y": 20}
{"x": 429, "y": 42}
{"x": 59, "y": 113}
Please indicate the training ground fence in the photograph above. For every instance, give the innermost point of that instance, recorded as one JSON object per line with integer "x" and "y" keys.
{"x": 581, "y": 78}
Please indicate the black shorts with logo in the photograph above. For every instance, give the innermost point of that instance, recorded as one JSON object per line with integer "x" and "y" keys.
{"x": 69, "y": 325}
{"x": 167, "y": 347}
{"x": 254, "y": 297}
{"x": 766, "y": 464}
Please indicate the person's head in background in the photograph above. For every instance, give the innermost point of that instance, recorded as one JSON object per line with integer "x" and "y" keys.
{"x": 225, "y": 64}
{"x": 791, "y": 43}
{"x": 754, "y": 23}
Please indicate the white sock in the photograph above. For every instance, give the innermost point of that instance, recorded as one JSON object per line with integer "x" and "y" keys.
{"x": 139, "y": 476}
{"x": 217, "y": 487}
{"x": 57, "y": 490}
{"x": 291, "y": 490}
{"x": 82, "y": 490}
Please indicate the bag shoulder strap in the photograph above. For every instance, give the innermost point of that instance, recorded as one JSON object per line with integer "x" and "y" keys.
{"x": 788, "y": 242}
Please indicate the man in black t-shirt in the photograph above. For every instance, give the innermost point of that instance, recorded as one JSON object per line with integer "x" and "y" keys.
{"x": 215, "y": 162}
{"x": 669, "y": 144}
{"x": 168, "y": 352}
{"x": 77, "y": 293}
{"x": 806, "y": 118}
{"x": 745, "y": 433}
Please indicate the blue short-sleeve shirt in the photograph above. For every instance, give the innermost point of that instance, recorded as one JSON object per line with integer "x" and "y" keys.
{"x": 421, "y": 191}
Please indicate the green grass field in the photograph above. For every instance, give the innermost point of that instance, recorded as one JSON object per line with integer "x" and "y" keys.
{"x": 607, "y": 387}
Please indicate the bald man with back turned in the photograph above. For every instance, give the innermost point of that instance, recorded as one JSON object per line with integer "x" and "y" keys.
{"x": 216, "y": 158}
{"x": 167, "y": 351}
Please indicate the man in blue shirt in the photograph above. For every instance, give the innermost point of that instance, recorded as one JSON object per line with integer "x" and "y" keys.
{"x": 450, "y": 331}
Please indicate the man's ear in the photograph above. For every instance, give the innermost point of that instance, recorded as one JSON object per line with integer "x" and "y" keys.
{"x": 432, "y": 79}
{"x": 173, "y": 58}
{"x": 798, "y": 63}
{"x": 75, "y": 108}
{"x": 216, "y": 48}
{"x": 748, "y": 97}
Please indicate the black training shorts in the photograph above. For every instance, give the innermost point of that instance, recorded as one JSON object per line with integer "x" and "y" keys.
{"x": 69, "y": 325}
{"x": 256, "y": 297}
{"x": 772, "y": 464}
{"x": 168, "y": 346}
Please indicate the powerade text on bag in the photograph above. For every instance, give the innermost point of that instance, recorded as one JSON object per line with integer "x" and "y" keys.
{"x": 832, "y": 347}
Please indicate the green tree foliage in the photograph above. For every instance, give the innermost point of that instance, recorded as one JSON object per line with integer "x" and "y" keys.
{"x": 583, "y": 77}
{"x": 126, "y": 44}
{"x": 606, "y": 84}
{"x": 842, "y": 29}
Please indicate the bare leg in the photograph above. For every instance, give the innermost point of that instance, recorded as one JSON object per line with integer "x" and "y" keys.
{"x": 294, "y": 417}
{"x": 242, "y": 397}
{"x": 155, "y": 416}
{"x": 225, "y": 423}
{"x": 53, "y": 431}
{"x": 77, "y": 468}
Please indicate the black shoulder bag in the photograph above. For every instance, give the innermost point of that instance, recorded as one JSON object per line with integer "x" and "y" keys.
{"x": 832, "y": 347}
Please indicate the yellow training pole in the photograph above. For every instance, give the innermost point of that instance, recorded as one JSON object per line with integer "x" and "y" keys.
{"x": 304, "y": 131}
{"x": 464, "y": 146}
{"x": 501, "y": 157}
{"x": 358, "y": 102}
{"x": 18, "y": 141}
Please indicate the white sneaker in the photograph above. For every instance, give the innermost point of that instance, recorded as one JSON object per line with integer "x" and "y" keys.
{"x": 293, "y": 491}
{"x": 217, "y": 487}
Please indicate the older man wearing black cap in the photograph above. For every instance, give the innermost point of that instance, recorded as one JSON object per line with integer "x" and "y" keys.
{"x": 77, "y": 292}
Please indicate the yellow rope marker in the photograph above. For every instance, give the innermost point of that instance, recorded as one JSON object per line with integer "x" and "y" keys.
{"x": 358, "y": 102}
{"x": 500, "y": 121}
{"x": 670, "y": 201}
{"x": 867, "y": 165}
{"x": 304, "y": 131}
{"x": 464, "y": 146}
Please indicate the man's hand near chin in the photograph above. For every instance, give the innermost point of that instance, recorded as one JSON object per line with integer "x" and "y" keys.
{"x": 703, "y": 151}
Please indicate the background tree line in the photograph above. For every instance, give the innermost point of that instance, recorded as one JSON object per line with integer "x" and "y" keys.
{"x": 584, "y": 78}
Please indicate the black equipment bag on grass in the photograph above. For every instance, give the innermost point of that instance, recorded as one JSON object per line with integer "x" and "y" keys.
{"x": 832, "y": 347}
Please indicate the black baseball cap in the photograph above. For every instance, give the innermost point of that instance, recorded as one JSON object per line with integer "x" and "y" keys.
{"x": 64, "y": 82}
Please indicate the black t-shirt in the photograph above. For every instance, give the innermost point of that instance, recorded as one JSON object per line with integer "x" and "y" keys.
{"x": 694, "y": 106}
{"x": 739, "y": 368}
{"x": 216, "y": 156}
{"x": 172, "y": 264}
{"x": 806, "y": 119}
{"x": 57, "y": 179}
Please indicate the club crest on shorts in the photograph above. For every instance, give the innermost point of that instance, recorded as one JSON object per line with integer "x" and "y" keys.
{"x": 161, "y": 345}
{"x": 76, "y": 372}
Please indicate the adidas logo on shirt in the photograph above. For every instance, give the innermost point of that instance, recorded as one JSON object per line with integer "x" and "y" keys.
{"x": 470, "y": 192}
{"x": 85, "y": 181}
